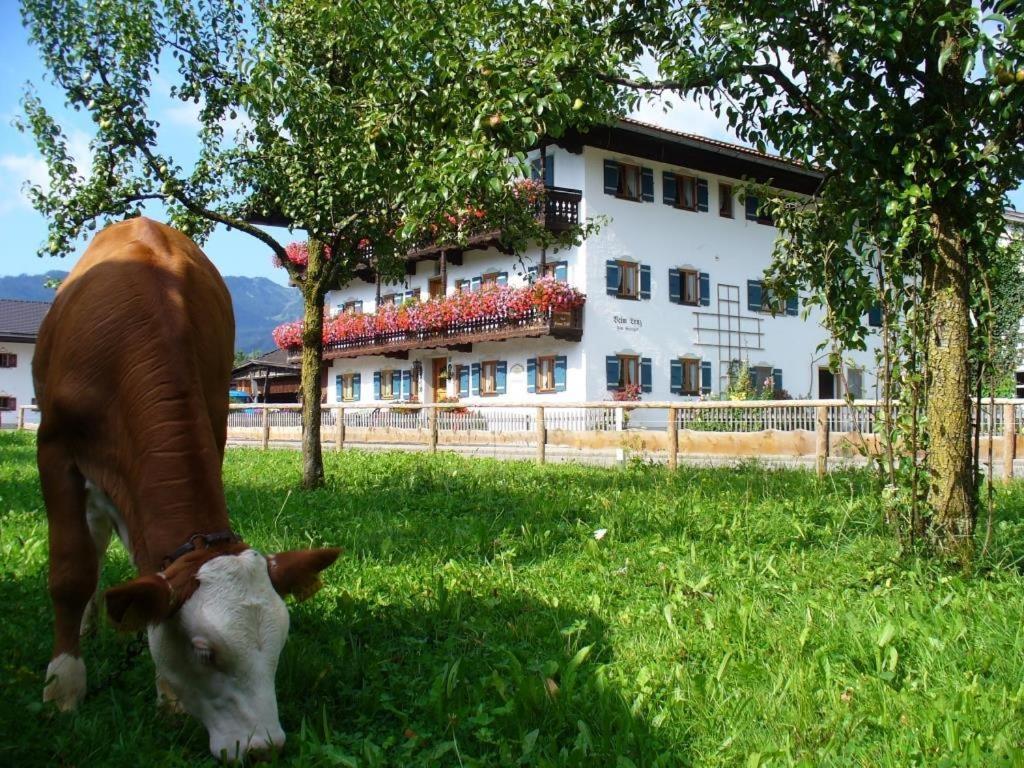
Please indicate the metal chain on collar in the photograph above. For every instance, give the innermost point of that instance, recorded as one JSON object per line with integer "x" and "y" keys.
{"x": 132, "y": 651}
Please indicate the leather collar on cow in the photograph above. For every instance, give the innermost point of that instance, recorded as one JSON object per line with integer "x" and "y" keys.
{"x": 202, "y": 541}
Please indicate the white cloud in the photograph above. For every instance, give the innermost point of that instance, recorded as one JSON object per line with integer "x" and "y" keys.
{"x": 19, "y": 170}
{"x": 184, "y": 114}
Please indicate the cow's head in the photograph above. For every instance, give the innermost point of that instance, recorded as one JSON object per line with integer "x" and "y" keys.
{"x": 217, "y": 624}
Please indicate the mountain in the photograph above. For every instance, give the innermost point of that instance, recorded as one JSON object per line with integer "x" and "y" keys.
{"x": 260, "y": 304}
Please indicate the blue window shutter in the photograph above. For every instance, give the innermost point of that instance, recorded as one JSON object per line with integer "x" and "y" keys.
{"x": 562, "y": 272}
{"x": 647, "y": 185}
{"x": 676, "y": 377}
{"x": 702, "y": 194}
{"x": 612, "y": 278}
{"x": 646, "y": 374}
{"x": 777, "y": 381}
{"x": 560, "y": 373}
{"x": 675, "y": 286}
{"x": 406, "y": 385}
{"x": 463, "y": 381}
{"x": 668, "y": 188}
{"x": 474, "y": 284}
{"x": 474, "y": 386}
{"x": 875, "y": 316}
{"x": 645, "y": 281}
{"x": 501, "y": 377}
{"x": 502, "y": 278}
{"x": 357, "y": 389}
{"x": 337, "y": 388}
{"x": 793, "y": 306}
{"x": 531, "y": 274}
{"x": 705, "y": 377}
{"x": 531, "y": 375}
{"x": 376, "y": 385}
{"x": 611, "y": 177}
{"x": 705, "y": 289}
{"x": 549, "y": 170}
{"x": 754, "y": 295}
{"x": 611, "y": 367}
{"x": 752, "y": 205}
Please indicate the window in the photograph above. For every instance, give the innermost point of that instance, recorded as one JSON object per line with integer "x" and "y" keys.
{"x": 494, "y": 278}
{"x": 545, "y": 374}
{"x": 691, "y": 377}
{"x": 753, "y": 204}
{"x": 549, "y": 169}
{"x": 489, "y": 377}
{"x": 875, "y": 316}
{"x": 690, "y": 287}
{"x": 352, "y": 308}
{"x": 8, "y": 360}
{"x": 349, "y": 387}
{"x": 462, "y": 285}
{"x": 686, "y": 192}
{"x": 8, "y": 403}
{"x": 413, "y": 295}
{"x": 629, "y": 371}
{"x": 629, "y": 182}
{"x": 855, "y": 383}
{"x": 759, "y": 376}
{"x": 629, "y": 282}
{"x": 725, "y": 201}
{"x": 388, "y": 300}
{"x": 384, "y": 384}
{"x": 1019, "y": 376}
{"x": 558, "y": 270}
{"x": 760, "y": 299}
{"x": 436, "y": 287}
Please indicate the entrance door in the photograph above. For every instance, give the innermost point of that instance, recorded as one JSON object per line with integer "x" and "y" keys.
{"x": 439, "y": 378}
{"x": 826, "y": 384}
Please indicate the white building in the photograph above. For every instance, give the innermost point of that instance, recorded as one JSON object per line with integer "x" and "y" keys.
{"x": 19, "y": 327}
{"x": 672, "y": 284}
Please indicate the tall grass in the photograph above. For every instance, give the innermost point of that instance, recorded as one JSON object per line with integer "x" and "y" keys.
{"x": 480, "y": 618}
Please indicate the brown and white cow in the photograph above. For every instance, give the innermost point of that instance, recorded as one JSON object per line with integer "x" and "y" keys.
{"x": 132, "y": 372}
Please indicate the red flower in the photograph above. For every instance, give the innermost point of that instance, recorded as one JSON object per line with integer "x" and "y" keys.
{"x": 493, "y": 302}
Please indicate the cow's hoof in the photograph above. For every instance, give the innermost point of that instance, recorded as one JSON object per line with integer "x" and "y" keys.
{"x": 167, "y": 699}
{"x": 65, "y": 682}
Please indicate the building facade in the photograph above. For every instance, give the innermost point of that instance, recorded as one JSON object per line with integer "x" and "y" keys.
{"x": 672, "y": 280}
{"x": 19, "y": 328}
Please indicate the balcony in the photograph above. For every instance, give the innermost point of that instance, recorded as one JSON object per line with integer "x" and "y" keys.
{"x": 566, "y": 325}
{"x": 558, "y": 211}
{"x": 547, "y": 307}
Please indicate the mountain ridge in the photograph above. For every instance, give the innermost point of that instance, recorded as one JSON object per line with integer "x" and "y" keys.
{"x": 260, "y": 304}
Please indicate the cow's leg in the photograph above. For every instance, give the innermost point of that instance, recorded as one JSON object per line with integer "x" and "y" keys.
{"x": 101, "y": 526}
{"x": 73, "y": 571}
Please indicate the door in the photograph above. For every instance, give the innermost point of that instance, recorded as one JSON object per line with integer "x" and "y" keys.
{"x": 826, "y": 384}
{"x": 439, "y": 379}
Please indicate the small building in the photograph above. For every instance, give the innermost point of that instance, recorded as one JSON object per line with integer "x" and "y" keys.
{"x": 269, "y": 378}
{"x": 19, "y": 329}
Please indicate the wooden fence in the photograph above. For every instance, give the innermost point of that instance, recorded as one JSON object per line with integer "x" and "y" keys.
{"x": 817, "y": 430}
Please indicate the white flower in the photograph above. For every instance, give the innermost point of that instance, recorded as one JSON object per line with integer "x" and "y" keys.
{"x": 600, "y": 533}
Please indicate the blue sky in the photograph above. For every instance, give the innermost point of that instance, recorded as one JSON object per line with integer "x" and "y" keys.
{"x": 234, "y": 253}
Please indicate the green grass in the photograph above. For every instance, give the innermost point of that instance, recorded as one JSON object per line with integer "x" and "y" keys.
{"x": 729, "y": 617}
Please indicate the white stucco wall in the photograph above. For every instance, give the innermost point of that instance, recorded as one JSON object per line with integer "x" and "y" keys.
{"x": 17, "y": 381}
{"x": 731, "y": 251}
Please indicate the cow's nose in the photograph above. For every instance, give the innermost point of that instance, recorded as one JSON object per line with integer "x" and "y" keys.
{"x": 261, "y": 750}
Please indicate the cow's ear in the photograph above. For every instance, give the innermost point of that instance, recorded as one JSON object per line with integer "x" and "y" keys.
{"x": 134, "y": 605}
{"x": 298, "y": 572}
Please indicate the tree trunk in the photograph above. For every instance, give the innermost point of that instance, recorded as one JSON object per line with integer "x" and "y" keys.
{"x": 312, "y": 362}
{"x": 951, "y": 482}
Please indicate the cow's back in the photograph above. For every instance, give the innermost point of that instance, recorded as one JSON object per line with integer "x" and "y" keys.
{"x": 133, "y": 362}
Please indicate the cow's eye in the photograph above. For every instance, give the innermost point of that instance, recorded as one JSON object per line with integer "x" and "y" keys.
{"x": 202, "y": 650}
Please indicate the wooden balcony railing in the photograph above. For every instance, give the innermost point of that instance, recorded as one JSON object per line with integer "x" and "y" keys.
{"x": 559, "y": 211}
{"x": 567, "y": 325}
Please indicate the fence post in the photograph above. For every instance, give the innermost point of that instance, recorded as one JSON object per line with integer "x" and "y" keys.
{"x": 21, "y": 418}
{"x": 542, "y": 436}
{"x": 821, "y": 442}
{"x": 1009, "y": 440}
{"x": 673, "y": 438}
{"x": 339, "y": 428}
{"x": 266, "y": 428}
{"x": 432, "y": 429}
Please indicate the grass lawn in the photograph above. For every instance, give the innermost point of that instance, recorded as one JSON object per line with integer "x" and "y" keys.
{"x": 727, "y": 617}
